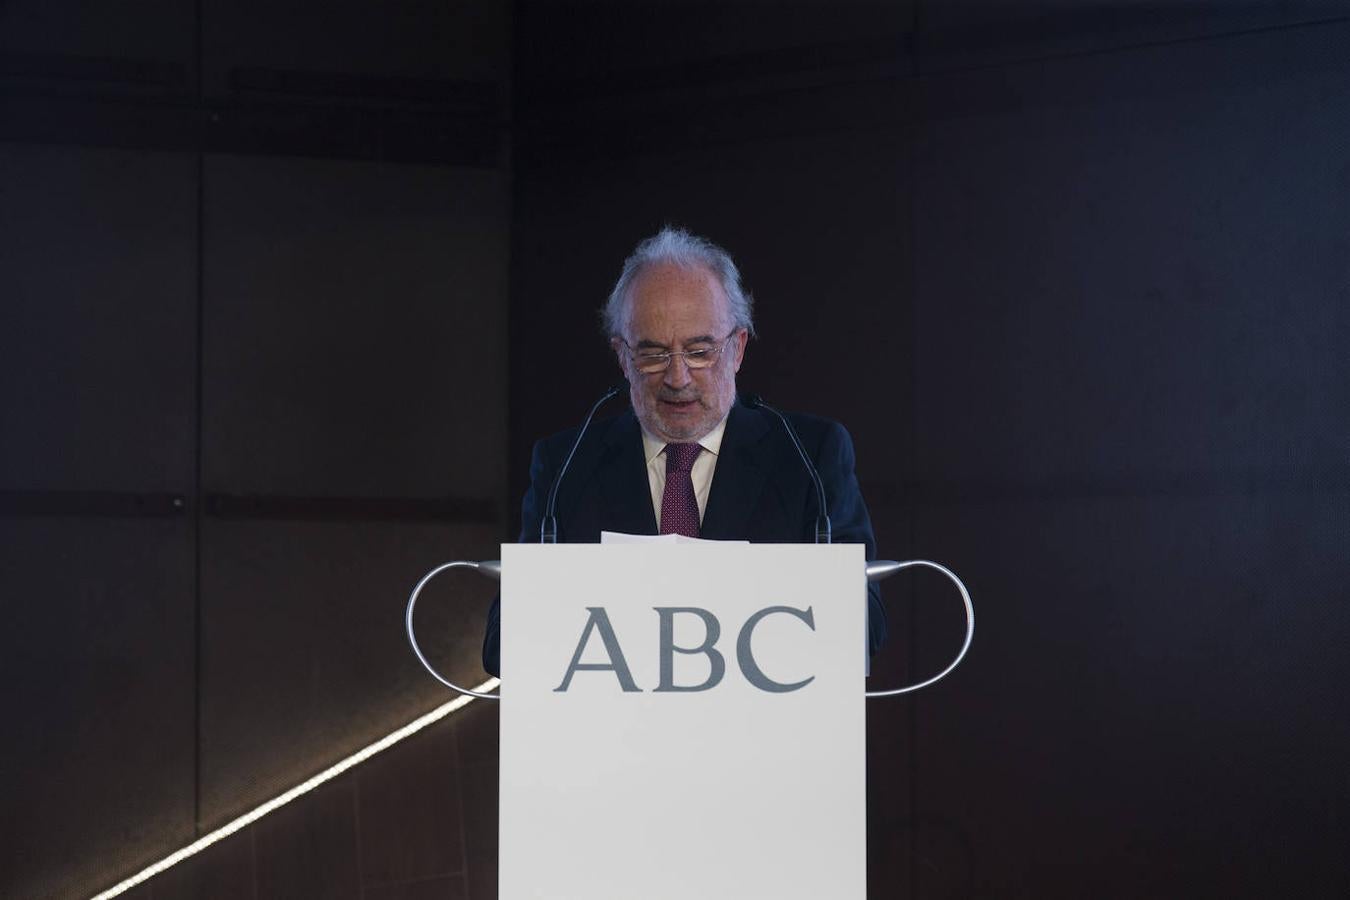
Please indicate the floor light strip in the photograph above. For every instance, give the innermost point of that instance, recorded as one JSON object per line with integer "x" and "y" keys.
{"x": 305, "y": 787}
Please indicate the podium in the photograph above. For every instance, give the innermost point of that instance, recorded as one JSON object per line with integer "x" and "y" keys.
{"x": 684, "y": 721}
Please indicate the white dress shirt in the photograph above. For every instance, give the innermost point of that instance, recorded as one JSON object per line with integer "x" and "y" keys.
{"x": 702, "y": 473}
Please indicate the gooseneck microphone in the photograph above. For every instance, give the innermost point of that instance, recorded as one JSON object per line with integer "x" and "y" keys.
{"x": 754, "y": 401}
{"x": 548, "y": 527}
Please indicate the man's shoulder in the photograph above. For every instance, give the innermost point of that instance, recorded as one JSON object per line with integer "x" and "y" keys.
{"x": 811, "y": 428}
{"x": 813, "y": 424}
{"x": 601, "y": 431}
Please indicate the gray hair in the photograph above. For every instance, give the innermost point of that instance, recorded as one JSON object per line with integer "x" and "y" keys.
{"x": 680, "y": 248}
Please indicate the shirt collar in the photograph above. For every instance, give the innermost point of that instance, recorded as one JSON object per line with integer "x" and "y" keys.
{"x": 712, "y": 441}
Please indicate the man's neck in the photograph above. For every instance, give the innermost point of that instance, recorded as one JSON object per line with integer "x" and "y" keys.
{"x": 712, "y": 441}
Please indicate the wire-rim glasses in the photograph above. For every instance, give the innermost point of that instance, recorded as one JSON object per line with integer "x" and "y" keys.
{"x": 649, "y": 363}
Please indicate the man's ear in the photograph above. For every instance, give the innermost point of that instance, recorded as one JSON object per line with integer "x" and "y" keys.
{"x": 742, "y": 338}
{"x": 620, "y": 354}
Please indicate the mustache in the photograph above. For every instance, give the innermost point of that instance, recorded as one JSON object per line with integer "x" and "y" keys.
{"x": 678, "y": 395}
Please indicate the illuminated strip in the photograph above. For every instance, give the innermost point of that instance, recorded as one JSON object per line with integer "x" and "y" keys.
{"x": 327, "y": 774}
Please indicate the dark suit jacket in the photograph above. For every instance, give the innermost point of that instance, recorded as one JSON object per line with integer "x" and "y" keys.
{"x": 760, "y": 492}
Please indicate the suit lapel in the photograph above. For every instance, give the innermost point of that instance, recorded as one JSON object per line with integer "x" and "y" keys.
{"x": 738, "y": 478}
{"x": 624, "y": 486}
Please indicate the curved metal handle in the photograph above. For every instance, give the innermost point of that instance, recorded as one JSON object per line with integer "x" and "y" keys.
{"x": 885, "y": 568}
{"x": 492, "y": 568}
{"x": 876, "y": 571}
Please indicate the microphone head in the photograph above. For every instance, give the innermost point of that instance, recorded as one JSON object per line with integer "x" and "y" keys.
{"x": 752, "y": 400}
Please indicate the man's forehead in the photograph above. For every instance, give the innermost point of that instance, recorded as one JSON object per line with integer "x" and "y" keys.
{"x": 666, "y": 295}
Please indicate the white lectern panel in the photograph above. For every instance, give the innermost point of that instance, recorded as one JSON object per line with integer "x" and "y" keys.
{"x": 641, "y": 760}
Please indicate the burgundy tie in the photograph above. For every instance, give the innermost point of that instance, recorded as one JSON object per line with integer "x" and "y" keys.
{"x": 679, "y": 508}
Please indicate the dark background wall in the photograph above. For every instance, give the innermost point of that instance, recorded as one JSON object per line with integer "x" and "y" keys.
{"x": 1074, "y": 276}
{"x": 254, "y": 299}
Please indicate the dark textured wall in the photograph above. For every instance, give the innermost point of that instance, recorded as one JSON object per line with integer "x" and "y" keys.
{"x": 1075, "y": 278}
{"x": 253, "y": 274}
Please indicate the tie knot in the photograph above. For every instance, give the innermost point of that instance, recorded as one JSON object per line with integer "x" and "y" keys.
{"x": 680, "y": 457}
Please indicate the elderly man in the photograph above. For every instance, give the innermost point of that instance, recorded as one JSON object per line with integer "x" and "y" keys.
{"x": 688, "y": 458}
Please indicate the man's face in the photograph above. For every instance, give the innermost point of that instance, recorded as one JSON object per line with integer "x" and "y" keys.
{"x": 673, "y": 308}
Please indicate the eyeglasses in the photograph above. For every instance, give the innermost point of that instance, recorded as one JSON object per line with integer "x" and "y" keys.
{"x": 649, "y": 363}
